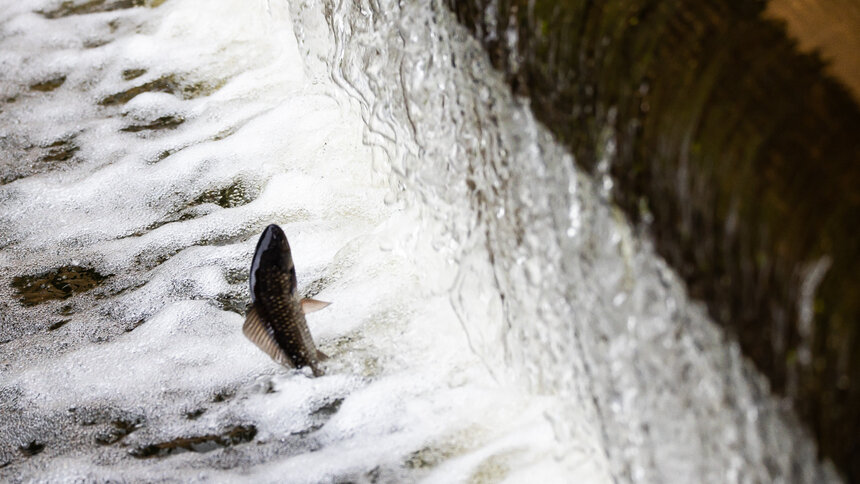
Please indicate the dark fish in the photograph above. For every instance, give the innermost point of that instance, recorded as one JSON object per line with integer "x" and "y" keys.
{"x": 276, "y": 319}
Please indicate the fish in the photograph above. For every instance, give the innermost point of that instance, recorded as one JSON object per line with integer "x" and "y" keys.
{"x": 275, "y": 320}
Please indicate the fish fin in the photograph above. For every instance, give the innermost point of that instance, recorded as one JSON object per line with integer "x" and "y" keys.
{"x": 258, "y": 332}
{"x": 312, "y": 305}
{"x": 321, "y": 356}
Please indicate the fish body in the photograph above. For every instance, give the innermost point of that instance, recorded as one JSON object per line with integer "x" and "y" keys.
{"x": 275, "y": 321}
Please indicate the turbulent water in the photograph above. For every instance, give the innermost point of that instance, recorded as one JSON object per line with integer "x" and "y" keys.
{"x": 494, "y": 317}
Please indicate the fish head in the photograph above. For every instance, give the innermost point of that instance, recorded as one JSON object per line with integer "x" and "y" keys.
{"x": 272, "y": 255}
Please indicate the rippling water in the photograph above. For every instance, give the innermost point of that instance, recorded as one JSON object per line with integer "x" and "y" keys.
{"x": 494, "y": 317}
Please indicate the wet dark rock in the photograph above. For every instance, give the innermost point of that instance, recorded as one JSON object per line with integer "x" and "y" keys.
{"x": 734, "y": 151}
{"x": 19, "y": 158}
{"x": 59, "y": 324}
{"x": 69, "y": 8}
{"x": 314, "y": 287}
{"x": 234, "y": 302}
{"x": 171, "y": 84}
{"x": 96, "y": 43}
{"x": 131, "y": 327}
{"x": 177, "y": 216}
{"x": 321, "y": 415}
{"x": 236, "y": 194}
{"x": 33, "y": 448}
{"x": 236, "y": 275}
{"x": 217, "y": 137}
{"x": 60, "y": 150}
{"x": 164, "y": 122}
{"x": 119, "y": 430}
{"x": 195, "y": 414}
{"x": 223, "y": 395}
{"x": 228, "y": 238}
{"x": 131, "y": 74}
{"x": 60, "y": 283}
{"x": 48, "y": 85}
{"x": 200, "y": 444}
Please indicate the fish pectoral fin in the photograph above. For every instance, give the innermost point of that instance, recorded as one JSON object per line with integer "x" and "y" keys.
{"x": 256, "y": 331}
{"x": 311, "y": 305}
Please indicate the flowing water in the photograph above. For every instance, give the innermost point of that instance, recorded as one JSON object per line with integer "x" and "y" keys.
{"x": 495, "y": 318}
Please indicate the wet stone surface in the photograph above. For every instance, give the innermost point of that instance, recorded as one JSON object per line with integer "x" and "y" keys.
{"x": 33, "y": 448}
{"x": 57, "y": 325}
{"x": 48, "y": 85}
{"x": 61, "y": 283}
{"x": 20, "y": 158}
{"x": 69, "y": 8}
{"x": 171, "y": 84}
{"x": 118, "y": 430}
{"x": 321, "y": 415}
{"x": 60, "y": 150}
{"x": 162, "y": 123}
{"x": 236, "y": 302}
{"x": 130, "y": 74}
{"x": 236, "y": 194}
{"x": 201, "y": 444}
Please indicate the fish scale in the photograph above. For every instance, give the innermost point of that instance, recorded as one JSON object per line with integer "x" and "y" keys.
{"x": 276, "y": 320}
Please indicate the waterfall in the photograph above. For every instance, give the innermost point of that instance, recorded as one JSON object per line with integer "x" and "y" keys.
{"x": 494, "y": 318}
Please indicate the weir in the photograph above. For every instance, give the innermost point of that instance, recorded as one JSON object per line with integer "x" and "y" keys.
{"x": 496, "y": 315}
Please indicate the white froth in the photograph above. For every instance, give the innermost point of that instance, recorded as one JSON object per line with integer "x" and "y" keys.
{"x": 403, "y": 398}
{"x": 461, "y": 350}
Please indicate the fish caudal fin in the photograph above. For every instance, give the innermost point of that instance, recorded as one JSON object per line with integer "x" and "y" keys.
{"x": 259, "y": 334}
{"x": 312, "y": 305}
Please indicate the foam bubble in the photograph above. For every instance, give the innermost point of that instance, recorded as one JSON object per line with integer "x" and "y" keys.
{"x": 177, "y": 134}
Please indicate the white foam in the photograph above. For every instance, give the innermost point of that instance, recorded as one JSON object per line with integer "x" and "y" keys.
{"x": 152, "y": 344}
{"x": 544, "y": 362}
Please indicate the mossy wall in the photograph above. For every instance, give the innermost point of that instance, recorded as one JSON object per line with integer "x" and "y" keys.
{"x": 734, "y": 151}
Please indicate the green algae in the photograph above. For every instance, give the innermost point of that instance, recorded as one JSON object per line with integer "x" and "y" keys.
{"x": 233, "y": 302}
{"x": 48, "y": 85}
{"x": 492, "y": 469}
{"x": 238, "y": 193}
{"x": 236, "y": 275}
{"x": 431, "y": 456}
